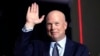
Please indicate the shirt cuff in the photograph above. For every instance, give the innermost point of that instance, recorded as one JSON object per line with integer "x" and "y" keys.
{"x": 24, "y": 29}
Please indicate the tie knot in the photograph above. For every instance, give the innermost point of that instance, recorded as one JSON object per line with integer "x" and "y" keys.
{"x": 55, "y": 44}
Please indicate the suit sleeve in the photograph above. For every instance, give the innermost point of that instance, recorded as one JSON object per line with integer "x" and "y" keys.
{"x": 23, "y": 45}
{"x": 82, "y": 51}
{"x": 85, "y": 52}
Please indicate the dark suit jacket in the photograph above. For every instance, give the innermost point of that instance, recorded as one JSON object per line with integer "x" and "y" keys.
{"x": 25, "y": 47}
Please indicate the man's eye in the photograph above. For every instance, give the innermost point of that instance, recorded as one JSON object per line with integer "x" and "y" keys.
{"x": 48, "y": 24}
{"x": 57, "y": 23}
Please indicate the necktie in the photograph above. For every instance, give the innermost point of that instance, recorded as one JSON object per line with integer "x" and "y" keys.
{"x": 55, "y": 51}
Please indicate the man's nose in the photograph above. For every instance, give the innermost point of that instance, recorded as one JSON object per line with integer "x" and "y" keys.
{"x": 52, "y": 26}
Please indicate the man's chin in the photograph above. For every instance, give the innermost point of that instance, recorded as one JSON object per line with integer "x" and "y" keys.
{"x": 55, "y": 38}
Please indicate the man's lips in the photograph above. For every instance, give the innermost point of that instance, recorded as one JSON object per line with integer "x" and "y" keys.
{"x": 53, "y": 33}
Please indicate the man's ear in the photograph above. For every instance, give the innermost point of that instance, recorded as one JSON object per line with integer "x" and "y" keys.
{"x": 66, "y": 25}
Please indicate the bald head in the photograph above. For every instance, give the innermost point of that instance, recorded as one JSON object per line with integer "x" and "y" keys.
{"x": 56, "y": 13}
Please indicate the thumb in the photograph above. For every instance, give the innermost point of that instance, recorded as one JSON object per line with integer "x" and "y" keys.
{"x": 42, "y": 18}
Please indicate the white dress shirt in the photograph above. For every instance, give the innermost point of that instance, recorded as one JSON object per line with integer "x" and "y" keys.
{"x": 61, "y": 46}
{"x": 25, "y": 29}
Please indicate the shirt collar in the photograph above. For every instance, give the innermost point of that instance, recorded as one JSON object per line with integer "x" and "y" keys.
{"x": 61, "y": 43}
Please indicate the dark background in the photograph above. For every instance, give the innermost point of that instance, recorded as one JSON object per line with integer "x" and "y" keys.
{"x": 12, "y": 19}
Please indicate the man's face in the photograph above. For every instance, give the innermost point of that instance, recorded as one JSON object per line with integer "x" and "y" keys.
{"x": 56, "y": 26}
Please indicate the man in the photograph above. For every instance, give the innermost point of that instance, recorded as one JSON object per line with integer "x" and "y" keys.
{"x": 56, "y": 25}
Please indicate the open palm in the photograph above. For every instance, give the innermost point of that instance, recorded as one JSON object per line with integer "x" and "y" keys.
{"x": 32, "y": 16}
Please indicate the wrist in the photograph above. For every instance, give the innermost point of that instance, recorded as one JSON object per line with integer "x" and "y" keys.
{"x": 29, "y": 25}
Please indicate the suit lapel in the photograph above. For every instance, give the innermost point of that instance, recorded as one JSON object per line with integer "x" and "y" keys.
{"x": 46, "y": 49}
{"x": 68, "y": 48}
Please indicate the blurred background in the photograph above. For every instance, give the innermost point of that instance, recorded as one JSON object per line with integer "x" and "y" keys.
{"x": 13, "y": 13}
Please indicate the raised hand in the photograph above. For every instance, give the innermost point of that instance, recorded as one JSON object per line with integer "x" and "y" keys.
{"x": 32, "y": 17}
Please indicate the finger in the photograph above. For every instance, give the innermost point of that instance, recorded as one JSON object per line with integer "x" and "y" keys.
{"x": 28, "y": 9}
{"x": 34, "y": 7}
{"x": 42, "y": 18}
